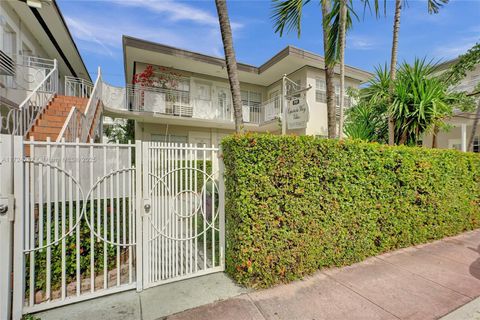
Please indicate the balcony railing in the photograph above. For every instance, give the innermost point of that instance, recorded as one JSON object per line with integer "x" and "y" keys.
{"x": 263, "y": 113}
{"x": 175, "y": 103}
{"x": 78, "y": 87}
{"x": 179, "y": 103}
{"x": 28, "y": 72}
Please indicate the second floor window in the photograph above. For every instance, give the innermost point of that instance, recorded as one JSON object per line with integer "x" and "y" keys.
{"x": 251, "y": 98}
{"x": 320, "y": 90}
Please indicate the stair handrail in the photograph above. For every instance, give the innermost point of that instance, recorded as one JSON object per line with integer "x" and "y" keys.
{"x": 94, "y": 102}
{"x": 79, "y": 124}
{"x": 36, "y": 102}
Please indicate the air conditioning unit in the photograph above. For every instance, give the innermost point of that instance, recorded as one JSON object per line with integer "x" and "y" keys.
{"x": 7, "y": 65}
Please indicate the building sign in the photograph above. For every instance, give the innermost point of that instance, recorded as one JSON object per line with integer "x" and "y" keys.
{"x": 297, "y": 113}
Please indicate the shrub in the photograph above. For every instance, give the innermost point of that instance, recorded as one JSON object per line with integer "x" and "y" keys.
{"x": 298, "y": 204}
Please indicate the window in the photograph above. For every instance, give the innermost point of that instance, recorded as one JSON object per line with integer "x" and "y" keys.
{"x": 251, "y": 105}
{"x": 320, "y": 90}
{"x": 9, "y": 41}
{"x": 251, "y": 98}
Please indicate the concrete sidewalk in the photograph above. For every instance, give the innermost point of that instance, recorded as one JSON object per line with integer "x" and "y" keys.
{"x": 423, "y": 282}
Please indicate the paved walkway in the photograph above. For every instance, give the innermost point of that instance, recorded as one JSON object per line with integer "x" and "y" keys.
{"x": 423, "y": 282}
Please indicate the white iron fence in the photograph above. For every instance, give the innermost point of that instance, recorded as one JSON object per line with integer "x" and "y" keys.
{"x": 94, "y": 218}
{"x": 75, "y": 229}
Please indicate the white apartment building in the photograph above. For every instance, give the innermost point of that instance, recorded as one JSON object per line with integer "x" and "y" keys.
{"x": 185, "y": 96}
{"x": 459, "y": 133}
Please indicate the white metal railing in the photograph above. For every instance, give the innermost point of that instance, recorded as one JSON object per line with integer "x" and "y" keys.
{"x": 33, "y": 106}
{"x": 158, "y": 100}
{"x": 264, "y": 112}
{"x": 79, "y": 124}
{"x": 41, "y": 83}
{"x": 179, "y": 103}
{"x": 28, "y": 72}
{"x": 78, "y": 87}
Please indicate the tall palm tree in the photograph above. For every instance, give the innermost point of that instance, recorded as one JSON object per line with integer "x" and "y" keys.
{"x": 433, "y": 7}
{"x": 393, "y": 66}
{"x": 342, "y": 40}
{"x": 287, "y": 15}
{"x": 231, "y": 62}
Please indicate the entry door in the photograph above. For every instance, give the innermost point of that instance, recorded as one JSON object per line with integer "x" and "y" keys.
{"x": 183, "y": 222}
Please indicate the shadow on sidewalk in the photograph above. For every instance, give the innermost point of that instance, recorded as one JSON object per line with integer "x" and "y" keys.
{"x": 475, "y": 266}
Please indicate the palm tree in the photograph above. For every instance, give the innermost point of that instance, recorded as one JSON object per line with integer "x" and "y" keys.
{"x": 433, "y": 7}
{"x": 231, "y": 62}
{"x": 287, "y": 14}
{"x": 342, "y": 36}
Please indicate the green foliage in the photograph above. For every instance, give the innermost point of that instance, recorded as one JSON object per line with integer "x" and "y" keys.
{"x": 418, "y": 102}
{"x": 466, "y": 62}
{"x": 298, "y": 204}
{"x": 85, "y": 248}
{"x": 122, "y": 133}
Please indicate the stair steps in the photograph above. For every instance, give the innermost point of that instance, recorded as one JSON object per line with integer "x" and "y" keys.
{"x": 51, "y": 122}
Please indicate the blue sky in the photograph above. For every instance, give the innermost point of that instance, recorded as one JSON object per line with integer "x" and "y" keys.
{"x": 98, "y": 26}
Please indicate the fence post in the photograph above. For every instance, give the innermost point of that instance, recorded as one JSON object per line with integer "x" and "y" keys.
{"x": 221, "y": 204}
{"x": 6, "y": 225}
{"x": 139, "y": 215}
{"x": 18, "y": 231}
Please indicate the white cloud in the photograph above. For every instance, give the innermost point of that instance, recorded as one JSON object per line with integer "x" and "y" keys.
{"x": 357, "y": 42}
{"x": 450, "y": 50}
{"x": 176, "y": 11}
{"x": 96, "y": 35}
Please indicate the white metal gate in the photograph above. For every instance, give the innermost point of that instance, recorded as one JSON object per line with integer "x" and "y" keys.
{"x": 183, "y": 225}
{"x": 82, "y": 208}
{"x": 75, "y": 223}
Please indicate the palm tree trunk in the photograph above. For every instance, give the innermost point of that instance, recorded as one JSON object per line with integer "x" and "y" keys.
{"x": 231, "y": 62}
{"x": 435, "y": 137}
{"x": 393, "y": 66}
{"x": 474, "y": 128}
{"x": 342, "y": 40}
{"x": 329, "y": 73}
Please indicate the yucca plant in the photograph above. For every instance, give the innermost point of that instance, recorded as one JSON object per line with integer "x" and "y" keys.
{"x": 421, "y": 101}
{"x": 418, "y": 103}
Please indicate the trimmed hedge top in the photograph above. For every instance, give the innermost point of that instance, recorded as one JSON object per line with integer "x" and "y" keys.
{"x": 298, "y": 204}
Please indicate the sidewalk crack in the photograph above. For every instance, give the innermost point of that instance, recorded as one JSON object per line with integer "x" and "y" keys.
{"x": 256, "y": 306}
{"x": 423, "y": 277}
{"x": 358, "y": 293}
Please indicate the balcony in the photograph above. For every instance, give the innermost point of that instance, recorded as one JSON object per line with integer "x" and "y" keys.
{"x": 24, "y": 72}
{"x": 181, "y": 104}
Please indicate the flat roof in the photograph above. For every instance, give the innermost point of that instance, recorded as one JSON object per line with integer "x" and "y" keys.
{"x": 49, "y": 28}
{"x": 287, "y": 60}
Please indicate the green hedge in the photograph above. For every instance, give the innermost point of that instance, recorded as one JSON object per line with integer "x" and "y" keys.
{"x": 298, "y": 204}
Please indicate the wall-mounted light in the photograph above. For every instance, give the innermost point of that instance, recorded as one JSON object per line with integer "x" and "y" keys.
{"x": 36, "y": 3}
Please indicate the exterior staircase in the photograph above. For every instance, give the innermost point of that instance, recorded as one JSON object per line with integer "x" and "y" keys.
{"x": 52, "y": 120}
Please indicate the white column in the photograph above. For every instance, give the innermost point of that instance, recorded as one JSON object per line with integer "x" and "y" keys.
{"x": 464, "y": 137}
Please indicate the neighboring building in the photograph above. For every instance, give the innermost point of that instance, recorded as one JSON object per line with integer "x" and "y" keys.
{"x": 460, "y": 132}
{"x": 42, "y": 75}
{"x": 189, "y": 98}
